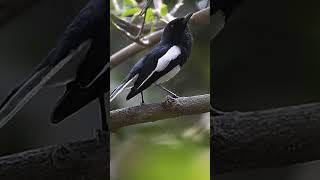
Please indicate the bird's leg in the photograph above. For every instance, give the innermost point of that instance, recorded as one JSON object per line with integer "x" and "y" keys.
{"x": 104, "y": 125}
{"x": 168, "y": 91}
{"x": 142, "y": 100}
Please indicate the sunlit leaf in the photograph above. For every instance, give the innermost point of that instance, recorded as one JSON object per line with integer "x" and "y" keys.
{"x": 150, "y": 15}
{"x": 163, "y": 10}
{"x": 130, "y": 2}
{"x": 130, "y": 12}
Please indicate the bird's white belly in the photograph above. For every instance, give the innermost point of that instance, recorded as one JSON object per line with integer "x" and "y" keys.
{"x": 169, "y": 75}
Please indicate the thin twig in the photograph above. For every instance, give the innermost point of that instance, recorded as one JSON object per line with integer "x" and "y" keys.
{"x": 139, "y": 37}
{"x": 131, "y": 27}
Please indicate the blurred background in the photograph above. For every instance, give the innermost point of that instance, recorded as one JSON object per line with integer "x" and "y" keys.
{"x": 24, "y": 41}
{"x": 177, "y": 149}
{"x": 268, "y": 56}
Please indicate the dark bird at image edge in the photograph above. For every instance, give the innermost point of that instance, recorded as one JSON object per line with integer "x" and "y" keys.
{"x": 79, "y": 62}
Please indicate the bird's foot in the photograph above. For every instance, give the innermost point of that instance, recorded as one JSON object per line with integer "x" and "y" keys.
{"x": 101, "y": 136}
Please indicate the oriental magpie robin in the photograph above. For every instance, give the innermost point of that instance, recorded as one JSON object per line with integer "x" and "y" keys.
{"x": 79, "y": 61}
{"x": 163, "y": 62}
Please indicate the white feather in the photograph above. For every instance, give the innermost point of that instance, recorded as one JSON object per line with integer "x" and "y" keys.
{"x": 68, "y": 72}
{"x": 120, "y": 88}
{"x": 30, "y": 88}
{"x": 164, "y": 61}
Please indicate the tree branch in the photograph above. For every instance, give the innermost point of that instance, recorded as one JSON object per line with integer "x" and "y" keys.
{"x": 80, "y": 160}
{"x": 90, "y": 159}
{"x": 170, "y": 108}
{"x": 153, "y": 38}
{"x": 263, "y": 139}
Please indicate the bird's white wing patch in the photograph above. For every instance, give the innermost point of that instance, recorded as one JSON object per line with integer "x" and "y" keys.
{"x": 164, "y": 61}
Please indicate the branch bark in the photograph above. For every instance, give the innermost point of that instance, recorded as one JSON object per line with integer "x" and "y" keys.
{"x": 263, "y": 139}
{"x": 170, "y": 108}
{"x": 80, "y": 160}
{"x": 132, "y": 49}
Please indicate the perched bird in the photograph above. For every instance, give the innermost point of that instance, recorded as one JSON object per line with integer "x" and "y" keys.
{"x": 79, "y": 61}
{"x": 163, "y": 62}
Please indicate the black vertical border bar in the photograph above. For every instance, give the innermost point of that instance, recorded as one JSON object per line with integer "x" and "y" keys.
{"x": 107, "y": 96}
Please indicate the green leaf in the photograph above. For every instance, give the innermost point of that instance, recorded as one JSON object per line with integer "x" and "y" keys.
{"x": 163, "y": 10}
{"x": 130, "y": 12}
{"x": 150, "y": 15}
{"x": 130, "y": 2}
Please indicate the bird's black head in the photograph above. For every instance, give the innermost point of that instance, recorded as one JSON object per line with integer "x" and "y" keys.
{"x": 177, "y": 29}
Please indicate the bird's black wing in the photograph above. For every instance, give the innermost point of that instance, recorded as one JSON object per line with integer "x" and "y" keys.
{"x": 76, "y": 97}
{"x": 92, "y": 80}
{"x": 92, "y": 76}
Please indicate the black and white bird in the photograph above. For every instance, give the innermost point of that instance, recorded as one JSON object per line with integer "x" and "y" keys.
{"x": 163, "y": 62}
{"x": 79, "y": 61}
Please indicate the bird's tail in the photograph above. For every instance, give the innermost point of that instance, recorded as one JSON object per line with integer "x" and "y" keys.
{"x": 121, "y": 87}
{"x": 27, "y": 89}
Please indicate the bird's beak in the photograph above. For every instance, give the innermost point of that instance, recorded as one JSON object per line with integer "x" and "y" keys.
{"x": 187, "y": 18}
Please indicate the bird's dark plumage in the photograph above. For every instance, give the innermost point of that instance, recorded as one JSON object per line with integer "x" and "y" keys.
{"x": 88, "y": 83}
{"x": 163, "y": 61}
{"x": 81, "y": 53}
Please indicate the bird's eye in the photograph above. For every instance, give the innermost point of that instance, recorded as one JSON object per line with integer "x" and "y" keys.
{"x": 171, "y": 25}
